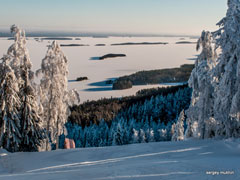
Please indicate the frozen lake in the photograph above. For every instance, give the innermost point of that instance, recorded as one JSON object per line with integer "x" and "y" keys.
{"x": 138, "y": 57}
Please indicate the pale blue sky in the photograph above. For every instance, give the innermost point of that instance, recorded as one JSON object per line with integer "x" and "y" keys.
{"x": 120, "y": 16}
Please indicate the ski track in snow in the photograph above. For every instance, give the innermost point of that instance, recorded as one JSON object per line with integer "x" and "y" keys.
{"x": 164, "y": 160}
{"x": 112, "y": 160}
{"x": 146, "y": 176}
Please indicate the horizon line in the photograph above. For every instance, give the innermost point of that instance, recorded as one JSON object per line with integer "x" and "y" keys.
{"x": 68, "y": 33}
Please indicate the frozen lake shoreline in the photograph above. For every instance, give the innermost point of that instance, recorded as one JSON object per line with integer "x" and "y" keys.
{"x": 140, "y": 57}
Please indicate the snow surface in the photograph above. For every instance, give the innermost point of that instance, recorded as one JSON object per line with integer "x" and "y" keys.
{"x": 198, "y": 159}
{"x": 139, "y": 57}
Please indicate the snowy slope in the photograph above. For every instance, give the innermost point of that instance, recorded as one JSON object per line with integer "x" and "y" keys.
{"x": 164, "y": 160}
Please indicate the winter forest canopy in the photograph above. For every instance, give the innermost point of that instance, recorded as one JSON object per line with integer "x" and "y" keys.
{"x": 36, "y": 117}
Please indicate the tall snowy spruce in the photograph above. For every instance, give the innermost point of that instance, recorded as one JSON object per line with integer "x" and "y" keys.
{"x": 215, "y": 106}
{"x": 10, "y": 132}
{"x": 17, "y": 61}
{"x": 200, "y": 111}
{"x": 227, "y": 74}
{"x": 178, "y": 128}
{"x": 54, "y": 95}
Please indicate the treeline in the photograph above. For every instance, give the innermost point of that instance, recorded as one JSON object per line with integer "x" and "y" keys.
{"x": 91, "y": 112}
{"x": 136, "y": 119}
{"x": 173, "y": 75}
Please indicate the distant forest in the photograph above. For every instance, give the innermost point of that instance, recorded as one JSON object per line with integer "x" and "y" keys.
{"x": 173, "y": 75}
{"x": 146, "y": 117}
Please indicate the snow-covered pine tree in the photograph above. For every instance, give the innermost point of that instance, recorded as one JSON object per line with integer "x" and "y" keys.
{"x": 17, "y": 51}
{"x": 227, "y": 74}
{"x": 118, "y": 135}
{"x": 179, "y": 128}
{"x": 54, "y": 95}
{"x": 135, "y": 136}
{"x": 201, "y": 107}
{"x": 31, "y": 122}
{"x": 10, "y": 132}
{"x": 142, "y": 137}
{"x": 18, "y": 60}
{"x": 32, "y": 132}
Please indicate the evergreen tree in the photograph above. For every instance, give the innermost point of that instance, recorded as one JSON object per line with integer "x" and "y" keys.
{"x": 118, "y": 136}
{"x": 142, "y": 136}
{"x": 54, "y": 96}
{"x": 10, "y": 132}
{"x": 201, "y": 79}
{"x": 31, "y": 129}
{"x": 17, "y": 61}
{"x": 135, "y": 136}
{"x": 215, "y": 107}
{"x": 178, "y": 134}
{"x": 227, "y": 74}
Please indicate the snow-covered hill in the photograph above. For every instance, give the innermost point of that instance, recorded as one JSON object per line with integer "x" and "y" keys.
{"x": 208, "y": 159}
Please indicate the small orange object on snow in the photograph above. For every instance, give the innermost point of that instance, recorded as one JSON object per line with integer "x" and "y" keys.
{"x": 69, "y": 144}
